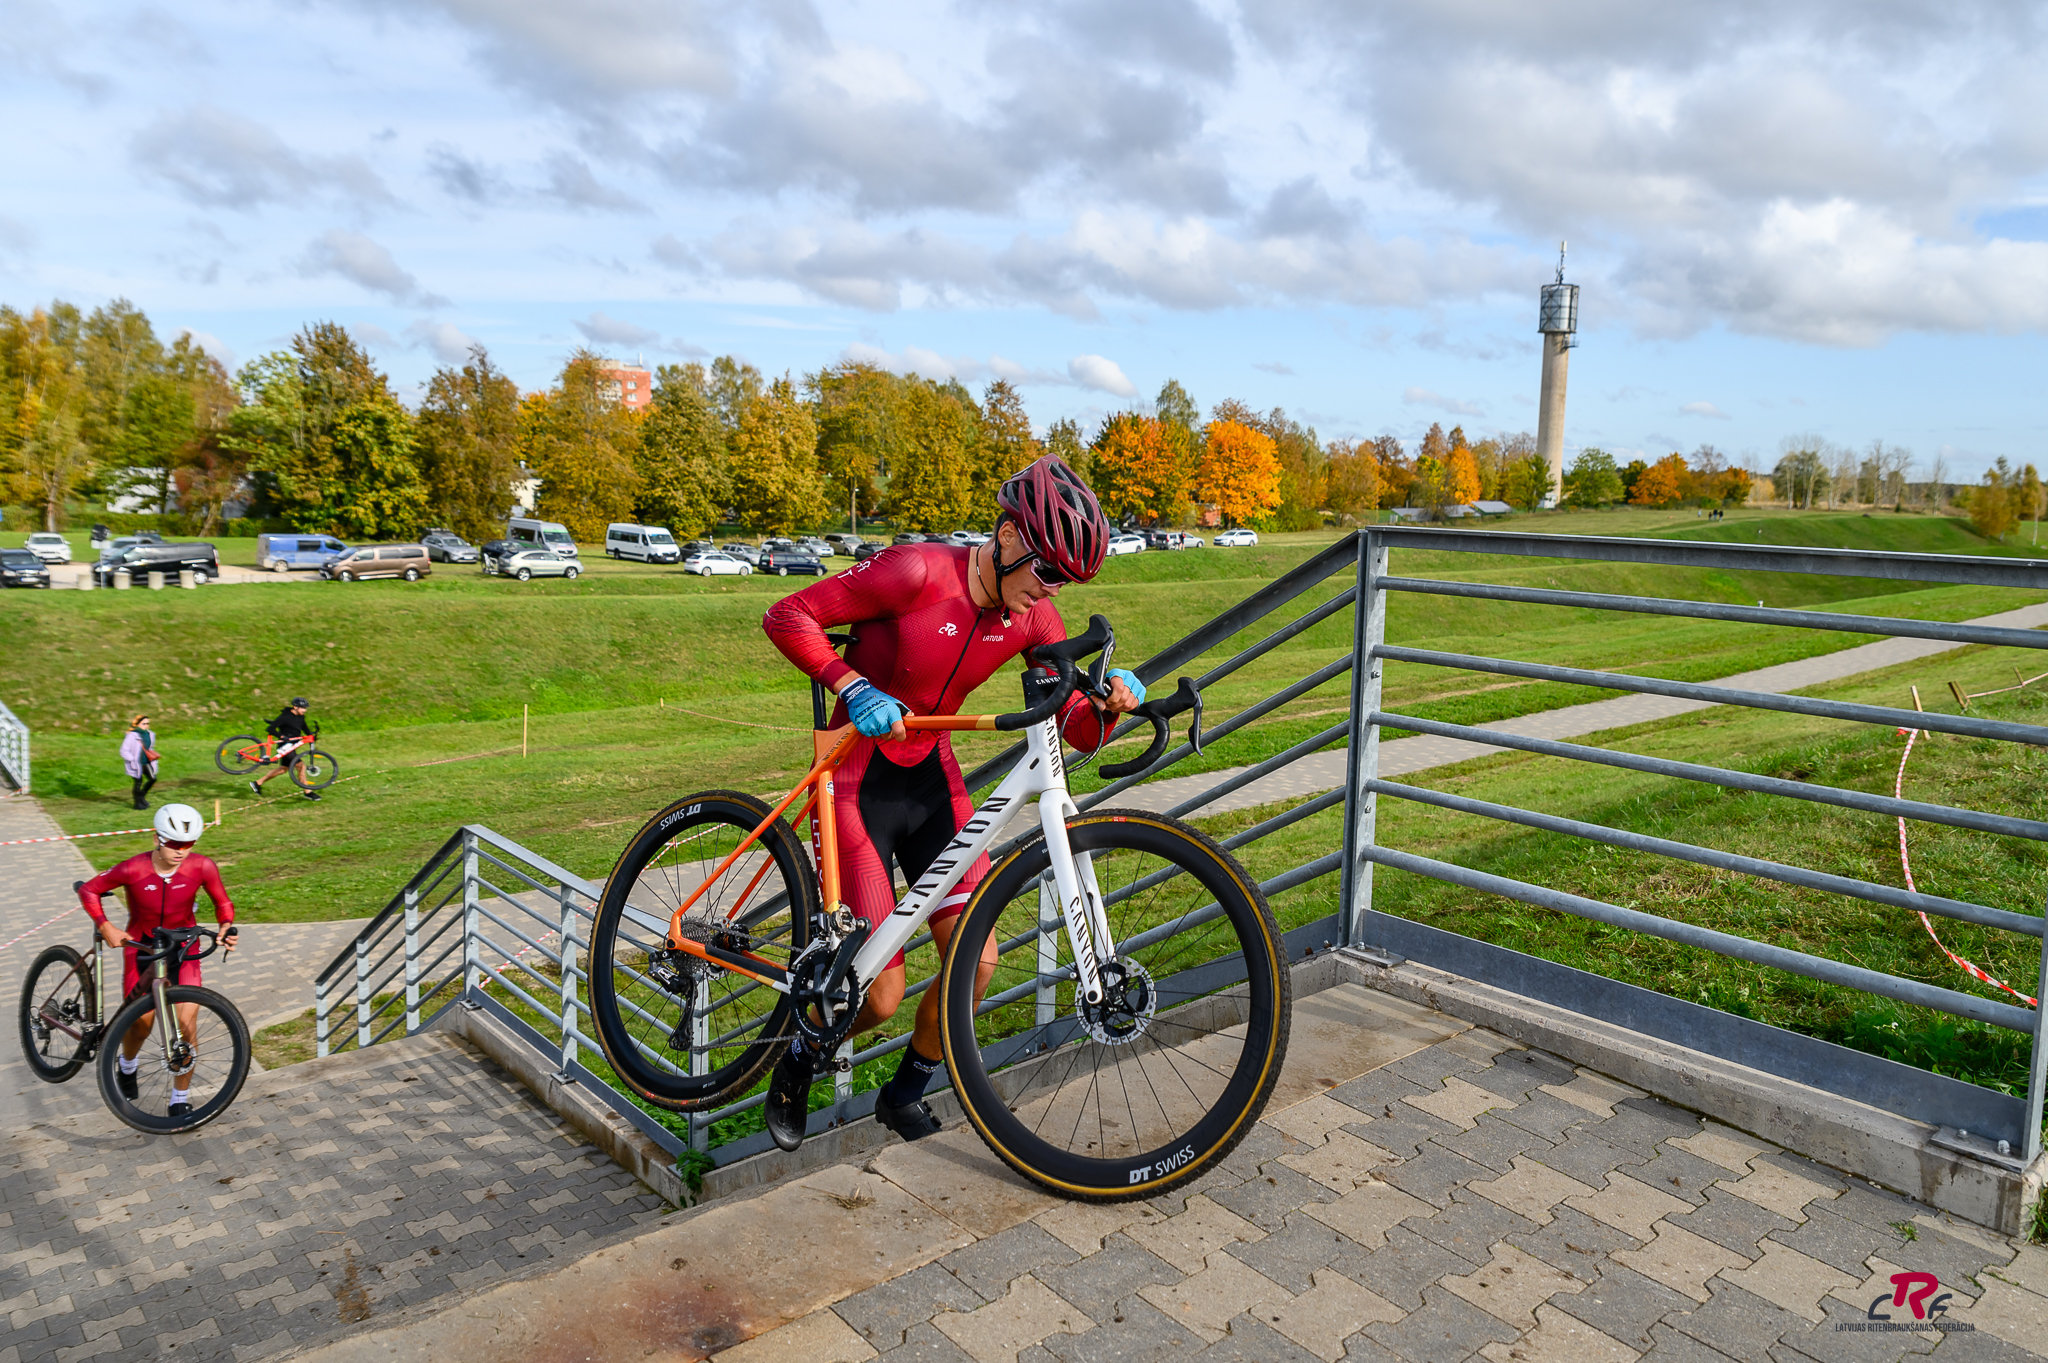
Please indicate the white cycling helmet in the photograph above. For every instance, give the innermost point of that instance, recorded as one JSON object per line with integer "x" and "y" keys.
{"x": 179, "y": 823}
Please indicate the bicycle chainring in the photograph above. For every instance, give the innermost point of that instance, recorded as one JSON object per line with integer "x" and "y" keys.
{"x": 1128, "y": 1003}
{"x": 807, "y": 975}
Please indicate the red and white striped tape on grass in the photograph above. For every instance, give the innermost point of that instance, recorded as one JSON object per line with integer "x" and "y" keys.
{"x": 1906, "y": 865}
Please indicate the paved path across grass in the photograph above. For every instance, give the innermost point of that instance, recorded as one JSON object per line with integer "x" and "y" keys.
{"x": 1398, "y": 757}
{"x": 1418, "y": 1191}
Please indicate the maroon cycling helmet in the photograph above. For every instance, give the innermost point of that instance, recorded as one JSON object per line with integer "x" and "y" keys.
{"x": 1059, "y": 519}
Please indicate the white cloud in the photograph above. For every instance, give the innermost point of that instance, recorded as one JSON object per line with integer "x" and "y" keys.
{"x": 357, "y": 258}
{"x": 448, "y": 342}
{"x": 932, "y": 365}
{"x": 1423, "y": 397}
{"x": 1704, "y": 409}
{"x": 220, "y": 159}
{"x": 1275, "y": 367}
{"x": 603, "y": 330}
{"x": 1093, "y": 371}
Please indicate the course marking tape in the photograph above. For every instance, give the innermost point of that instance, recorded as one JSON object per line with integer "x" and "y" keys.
{"x": 1899, "y": 792}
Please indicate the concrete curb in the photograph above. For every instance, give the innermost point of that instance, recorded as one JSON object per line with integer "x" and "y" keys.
{"x": 589, "y": 1114}
{"x": 1857, "y": 1139}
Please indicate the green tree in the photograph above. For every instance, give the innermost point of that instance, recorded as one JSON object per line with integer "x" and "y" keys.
{"x": 468, "y": 446}
{"x": 1527, "y": 481}
{"x": 294, "y": 401}
{"x": 1801, "y": 475}
{"x": 859, "y": 411}
{"x": 1992, "y": 509}
{"x": 932, "y": 484}
{"x": 581, "y": 442}
{"x": 209, "y": 473}
{"x": 777, "y": 485}
{"x": 2033, "y": 498}
{"x": 135, "y": 416}
{"x": 377, "y": 492}
{"x": 1063, "y": 438}
{"x": 1592, "y": 480}
{"x": 732, "y": 385}
{"x": 1006, "y": 441}
{"x": 685, "y": 480}
{"x": 42, "y": 404}
{"x": 1632, "y": 473}
{"x": 1351, "y": 480}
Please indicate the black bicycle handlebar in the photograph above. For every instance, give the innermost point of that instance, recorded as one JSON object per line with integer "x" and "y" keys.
{"x": 165, "y": 941}
{"x": 1061, "y": 656}
{"x": 1185, "y": 698}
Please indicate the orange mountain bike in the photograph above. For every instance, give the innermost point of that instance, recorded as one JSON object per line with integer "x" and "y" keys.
{"x": 1140, "y": 1007}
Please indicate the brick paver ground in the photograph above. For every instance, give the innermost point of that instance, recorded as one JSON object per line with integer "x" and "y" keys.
{"x": 1462, "y": 1198}
{"x": 1455, "y": 1206}
{"x": 330, "y": 1190}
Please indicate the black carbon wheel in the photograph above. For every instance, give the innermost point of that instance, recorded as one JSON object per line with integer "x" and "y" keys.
{"x": 1161, "y": 1079}
{"x": 682, "y": 1034}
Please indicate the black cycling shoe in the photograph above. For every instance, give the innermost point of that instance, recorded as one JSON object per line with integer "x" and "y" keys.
{"x": 129, "y": 1084}
{"x": 255, "y": 787}
{"x": 913, "y": 1121}
{"x": 787, "y": 1110}
{"x": 178, "y": 1110}
{"x": 312, "y": 795}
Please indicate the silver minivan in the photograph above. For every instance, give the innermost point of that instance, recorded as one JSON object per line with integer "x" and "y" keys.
{"x": 532, "y": 534}
{"x": 643, "y": 543}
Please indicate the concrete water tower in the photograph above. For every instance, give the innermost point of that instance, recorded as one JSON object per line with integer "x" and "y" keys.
{"x": 1558, "y": 320}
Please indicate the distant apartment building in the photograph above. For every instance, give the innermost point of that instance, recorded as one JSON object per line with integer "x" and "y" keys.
{"x": 630, "y": 385}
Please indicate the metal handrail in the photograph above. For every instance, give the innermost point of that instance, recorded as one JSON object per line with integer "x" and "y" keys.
{"x": 14, "y": 749}
{"x": 1931, "y": 1100}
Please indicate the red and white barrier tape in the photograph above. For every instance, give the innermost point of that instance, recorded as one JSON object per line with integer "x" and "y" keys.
{"x": 1899, "y": 792}
{"x": 74, "y": 837}
{"x": 40, "y": 926}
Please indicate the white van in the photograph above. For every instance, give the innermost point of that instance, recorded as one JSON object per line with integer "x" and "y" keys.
{"x": 646, "y": 543}
{"x": 532, "y": 534}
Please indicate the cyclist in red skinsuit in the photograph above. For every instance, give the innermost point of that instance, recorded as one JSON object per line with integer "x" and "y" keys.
{"x": 933, "y": 622}
{"x": 162, "y": 889}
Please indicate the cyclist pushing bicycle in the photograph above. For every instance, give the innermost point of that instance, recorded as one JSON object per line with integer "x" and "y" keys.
{"x": 162, "y": 888}
{"x": 1113, "y": 1000}
{"x": 932, "y": 622}
{"x": 292, "y": 733}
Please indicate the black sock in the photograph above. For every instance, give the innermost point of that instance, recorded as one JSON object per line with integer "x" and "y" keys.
{"x": 911, "y": 1077}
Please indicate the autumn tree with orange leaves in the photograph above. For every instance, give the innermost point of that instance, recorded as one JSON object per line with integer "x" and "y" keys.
{"x": 1239, "y": 472}
{"x": 1143, "y": 468}
{"x": 1661, "y": 484}
{"x": 1462, "y": 471}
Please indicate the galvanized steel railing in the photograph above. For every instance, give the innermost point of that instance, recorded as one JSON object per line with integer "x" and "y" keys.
{"x": 1985, "y": 1123}
{"x": 13, "y": 749}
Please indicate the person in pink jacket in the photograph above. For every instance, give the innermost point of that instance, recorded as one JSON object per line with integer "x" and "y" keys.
{"x": 139, "y": 756}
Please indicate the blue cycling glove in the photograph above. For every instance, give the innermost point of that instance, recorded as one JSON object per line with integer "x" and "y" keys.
{"x": 1130, "y": 680}
{"x": 872, "y": 709}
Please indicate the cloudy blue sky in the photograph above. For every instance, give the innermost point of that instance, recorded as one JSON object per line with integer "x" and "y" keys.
{"x": 1787, "y": 217}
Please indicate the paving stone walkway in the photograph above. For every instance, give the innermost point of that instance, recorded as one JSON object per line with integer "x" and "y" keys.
{"x": 1462, "y": 1198}
{"x": 330, "y": 1191}
{"x": 1323, "y": 771}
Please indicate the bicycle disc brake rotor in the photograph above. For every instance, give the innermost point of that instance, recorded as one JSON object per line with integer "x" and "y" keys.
{"x": 1128, "y": 1002}
{"x": 807, "y": 975}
